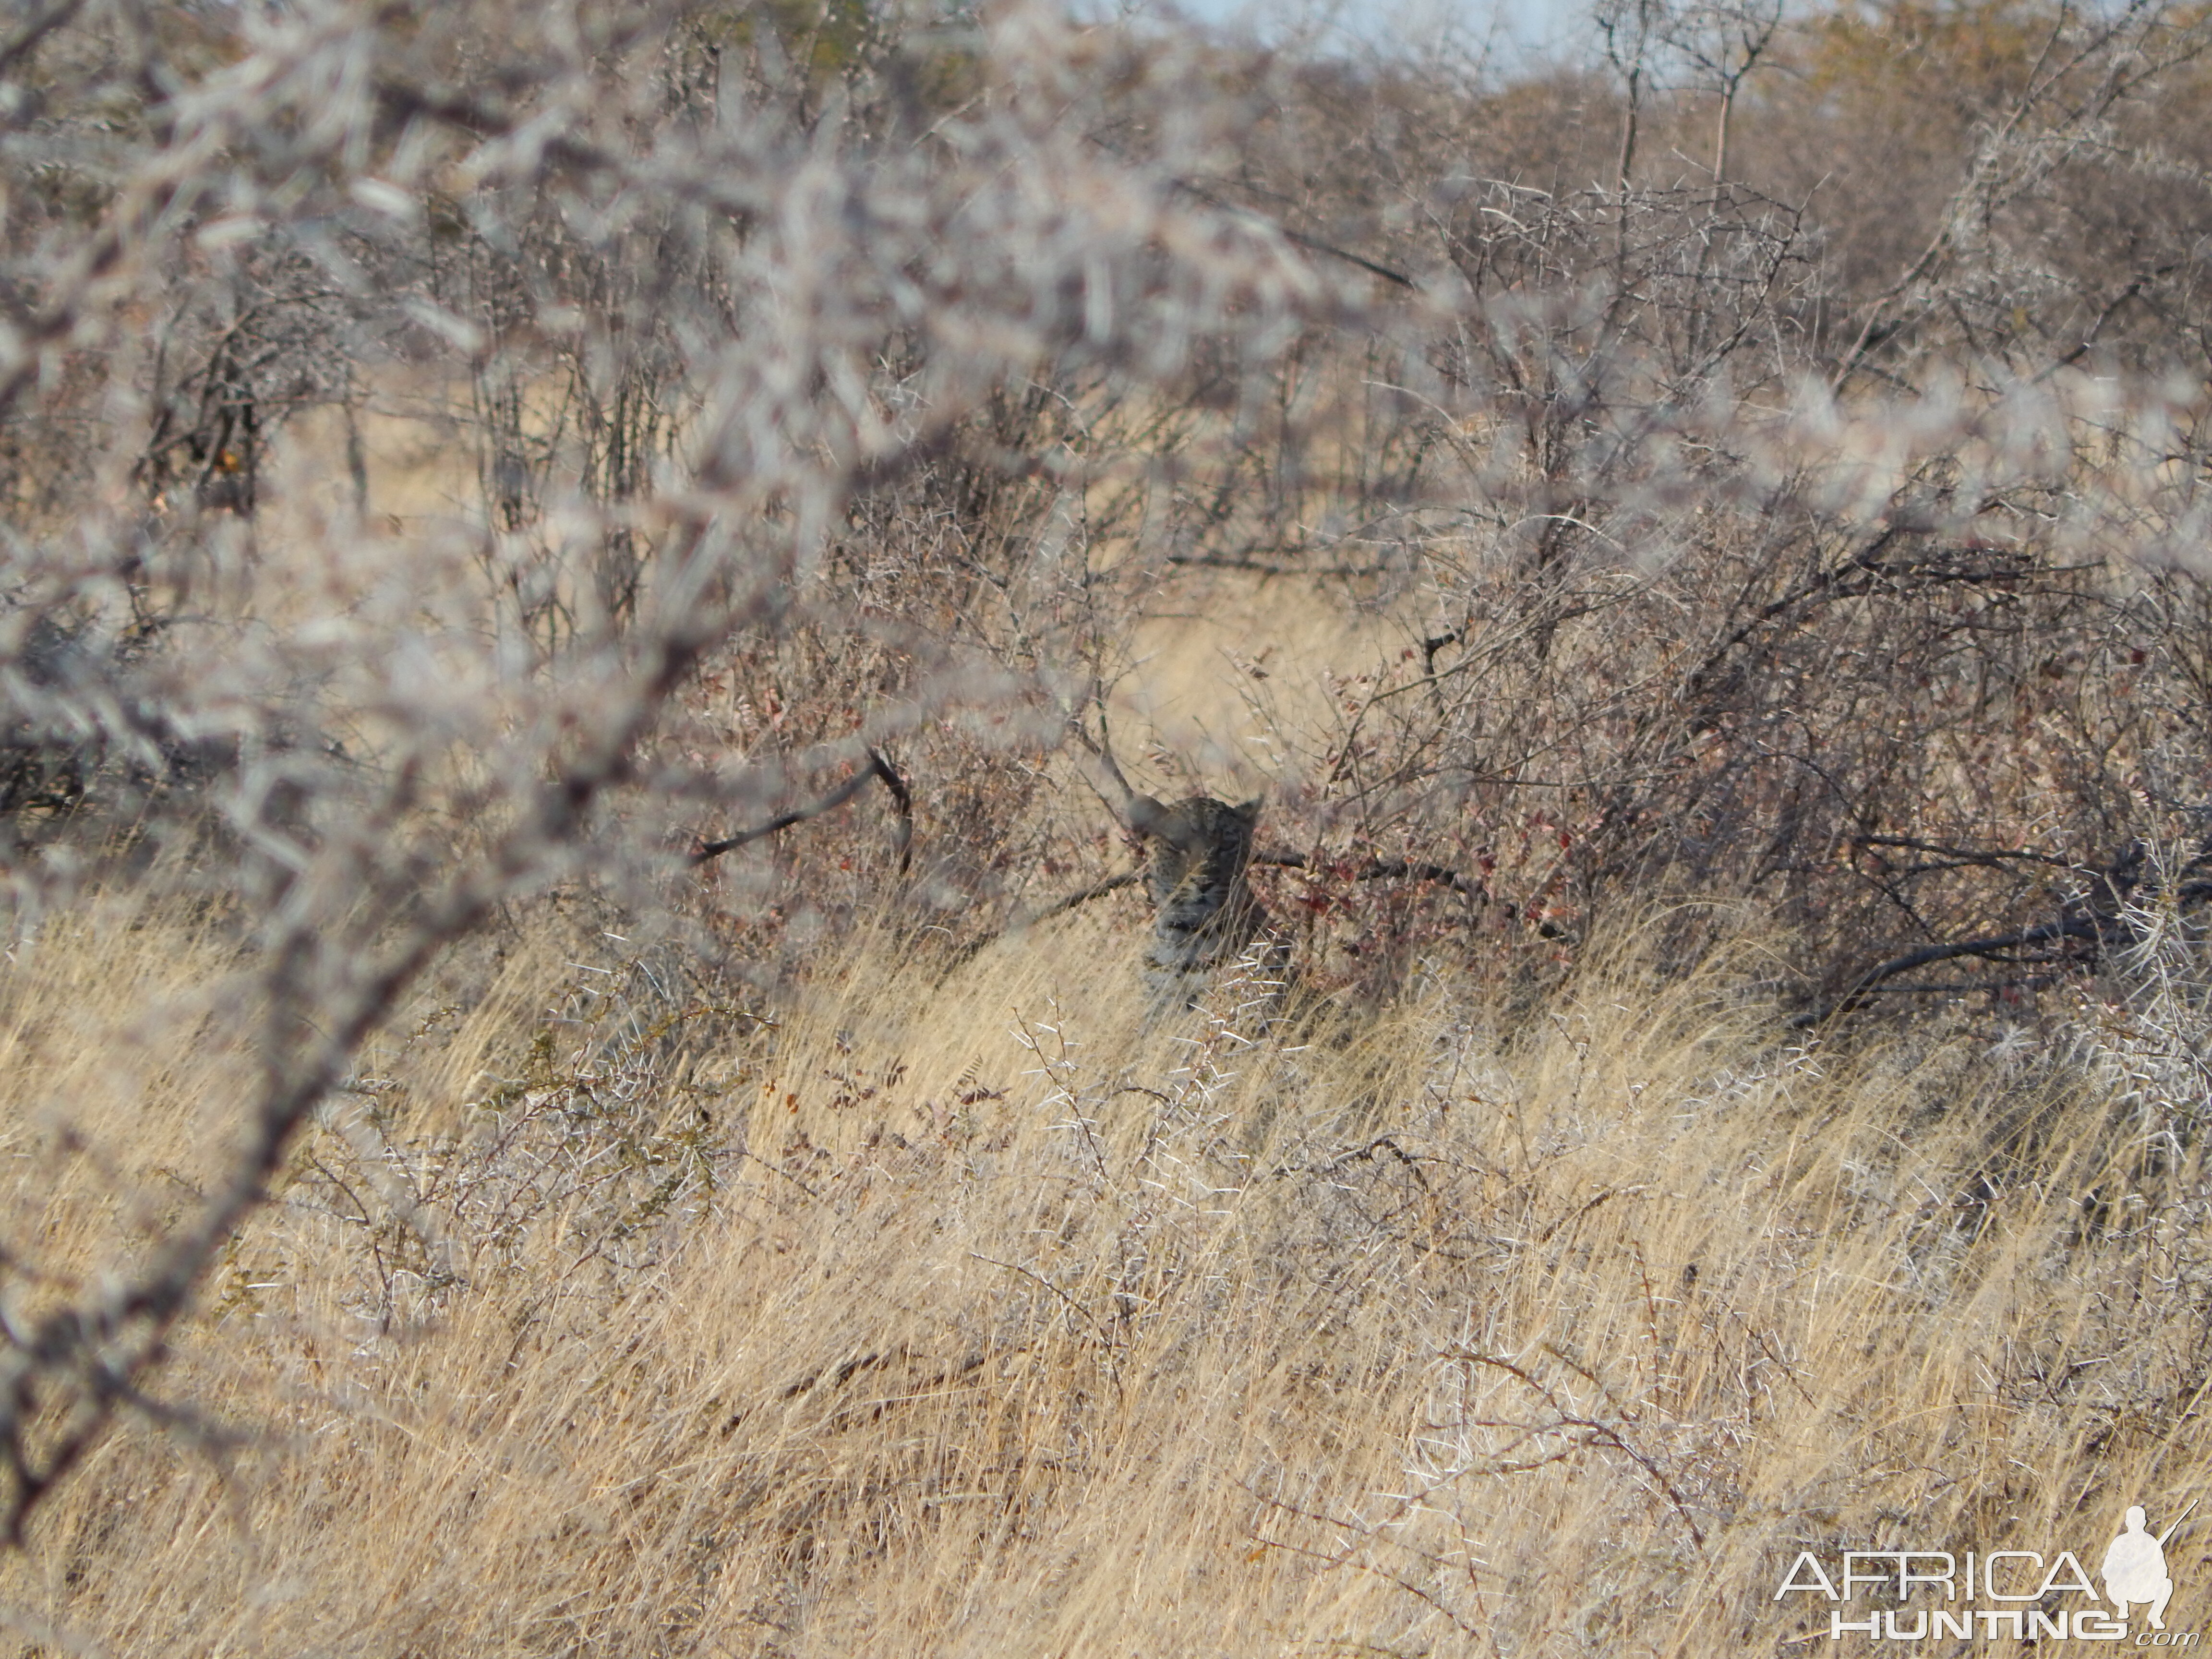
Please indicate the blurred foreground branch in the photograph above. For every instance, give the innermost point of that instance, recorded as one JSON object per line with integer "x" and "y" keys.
{"x": 700, "y": 289}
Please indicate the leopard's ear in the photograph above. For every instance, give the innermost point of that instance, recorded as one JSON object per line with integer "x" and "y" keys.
{"x": 1146, "y": 816}
{"x": 1250, "y": 811}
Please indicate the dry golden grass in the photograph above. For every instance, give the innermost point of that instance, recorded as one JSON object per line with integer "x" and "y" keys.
{"x": 970, "y": 1318}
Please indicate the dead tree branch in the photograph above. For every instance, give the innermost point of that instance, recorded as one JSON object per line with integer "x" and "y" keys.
{"x": 877, "y": 766}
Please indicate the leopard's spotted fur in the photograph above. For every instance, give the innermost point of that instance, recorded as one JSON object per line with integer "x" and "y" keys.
{"x": 1205, "y": 917}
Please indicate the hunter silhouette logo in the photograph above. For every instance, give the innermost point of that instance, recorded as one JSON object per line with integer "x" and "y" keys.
{"x": 2019, "y": 1594}
{"x": 2134, "y": 1567}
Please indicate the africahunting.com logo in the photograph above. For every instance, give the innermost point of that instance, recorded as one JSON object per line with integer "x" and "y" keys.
{"x": 1990, "y": 1595}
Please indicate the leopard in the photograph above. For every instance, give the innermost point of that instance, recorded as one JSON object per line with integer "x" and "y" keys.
{"x": 1206, "y": 918}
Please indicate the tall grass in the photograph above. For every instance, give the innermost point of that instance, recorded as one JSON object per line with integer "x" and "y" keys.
{"x": 964, "y": 1315}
